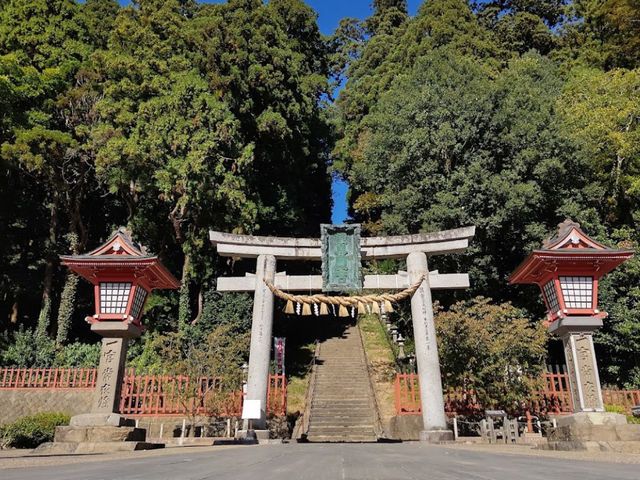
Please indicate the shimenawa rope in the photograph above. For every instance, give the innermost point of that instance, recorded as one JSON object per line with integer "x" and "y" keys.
{"x": 343, "y": 302}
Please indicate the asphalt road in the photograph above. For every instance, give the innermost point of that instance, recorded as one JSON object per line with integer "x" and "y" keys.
{"x": 330, "y": 461}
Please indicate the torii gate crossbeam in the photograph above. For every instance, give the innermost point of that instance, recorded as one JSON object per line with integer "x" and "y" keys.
{"x": 415, "y": 248}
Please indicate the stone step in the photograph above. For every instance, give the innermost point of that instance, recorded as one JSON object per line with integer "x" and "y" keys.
{"x": 60, "y": 448}
{"x": 353, "y": 416}
{"x": 359, "y": 410}
{"x": 345, "y": 385}
{"x": 330, "y": 372}
{"x": 341, "y": 431}
{"x": 335, "y": 398}
{"x": 348, "y": 393}
{"x": 354, "y": 407}
{"x": 346, "y": 423}
{"x": 342, "y": 439}
{"x": 344, "y": 388}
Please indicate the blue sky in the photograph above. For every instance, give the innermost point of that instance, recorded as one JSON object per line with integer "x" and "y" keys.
{"x": 329, "y": 14}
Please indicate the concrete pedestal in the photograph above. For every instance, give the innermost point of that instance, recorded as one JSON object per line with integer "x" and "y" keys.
{"x": 260, "y": 348}
{"x": 424, "y": 331}
{"x": 577, "y": 337}
{"x": 103, "y": 429}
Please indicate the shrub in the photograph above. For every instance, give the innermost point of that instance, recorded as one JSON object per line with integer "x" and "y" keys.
{"x": 32, "y": 430}
{"x": 79, "y": 355}
{"x": 493, "y": 349}
{"x": 621, "y": 409}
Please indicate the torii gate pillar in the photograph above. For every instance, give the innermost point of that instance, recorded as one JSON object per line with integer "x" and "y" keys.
{"x": 260, "y": 349}
{"x": 424, "y": 332}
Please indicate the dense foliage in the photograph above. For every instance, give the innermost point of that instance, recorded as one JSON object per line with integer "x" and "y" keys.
{"x": 169, "y": 117}
{"x": 174, "y": 117}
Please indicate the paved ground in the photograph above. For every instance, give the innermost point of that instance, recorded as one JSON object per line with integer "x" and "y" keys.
{"x": 326, "y": 461}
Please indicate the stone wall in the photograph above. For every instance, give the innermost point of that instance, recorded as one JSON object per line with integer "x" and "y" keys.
{"x": 404, "y": 427}
{"x": 18, "y": 403}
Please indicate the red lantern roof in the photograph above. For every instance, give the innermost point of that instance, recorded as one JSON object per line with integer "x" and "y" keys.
{"x": 120, "y": 256}
{"x": 571, "y": 251}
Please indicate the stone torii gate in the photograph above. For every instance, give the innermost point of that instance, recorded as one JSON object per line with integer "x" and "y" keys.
{"x": 415, "y": 248}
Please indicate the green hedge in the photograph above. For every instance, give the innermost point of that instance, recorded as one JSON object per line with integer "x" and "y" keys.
{"x": 32, "y": 430}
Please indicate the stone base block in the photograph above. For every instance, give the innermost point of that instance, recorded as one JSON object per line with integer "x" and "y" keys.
{"x": 592, "y": 418}
{"x": 61, "y": 448}
{"x": 593, "y": 446}
{"x": 405, "y": 427}
{"x": 256, "y": 435}
{"x": 101, "y": 420}
{"x": 100, "y": 434}
{"x": 436, "y": 436}
{"x": 594, "y": 431}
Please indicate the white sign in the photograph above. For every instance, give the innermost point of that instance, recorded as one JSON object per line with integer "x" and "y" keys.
{"x": 251, "y": 409}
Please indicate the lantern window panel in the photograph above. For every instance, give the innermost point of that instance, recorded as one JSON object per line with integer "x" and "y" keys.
{"x": 114, "y": 297}
{"x": 551, "y": 296}
{"x": 577, "y": 291}
{"x": 138, "y": 301}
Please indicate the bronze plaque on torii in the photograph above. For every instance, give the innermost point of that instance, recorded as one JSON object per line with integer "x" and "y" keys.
{"x": 341, "y": 268}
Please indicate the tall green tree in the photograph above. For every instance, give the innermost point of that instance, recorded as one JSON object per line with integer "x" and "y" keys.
{"x": 602, "y": 112}
{"x": 48, "y": 40}
{"x": 603, "y": 34}
{"x": 207, "y": 109}
{"x": 454, "y": 143}
{"x": 385, "y": 56}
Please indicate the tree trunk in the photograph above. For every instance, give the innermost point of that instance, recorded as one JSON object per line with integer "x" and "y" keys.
{"x": 67, "y": 307}
{"x": 45, "y": 309}
{"x": 184, "y": 307}
{"x": 68, "y": 296}
{"x": 195, "y": 320}
{"x": 13, "y": 318}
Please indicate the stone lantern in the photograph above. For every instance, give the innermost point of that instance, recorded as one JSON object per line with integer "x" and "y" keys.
{"x": 567, "y": 269}
{"x": 123, "y": 275}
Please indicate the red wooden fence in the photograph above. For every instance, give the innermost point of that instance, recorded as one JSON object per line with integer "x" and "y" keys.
{"x": 553, "y": 399}
{"x": 55, "y": 378}
{"x": 154, "y": 395}
{"x": 277, "y": 395}
{"x": 407, "y": 390}
{"x": 147, "y": 395}
{"x": 626, "y": 398}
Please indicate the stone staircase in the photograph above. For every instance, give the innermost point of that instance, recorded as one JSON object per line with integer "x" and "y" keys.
{"x": 342, "y": 404}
